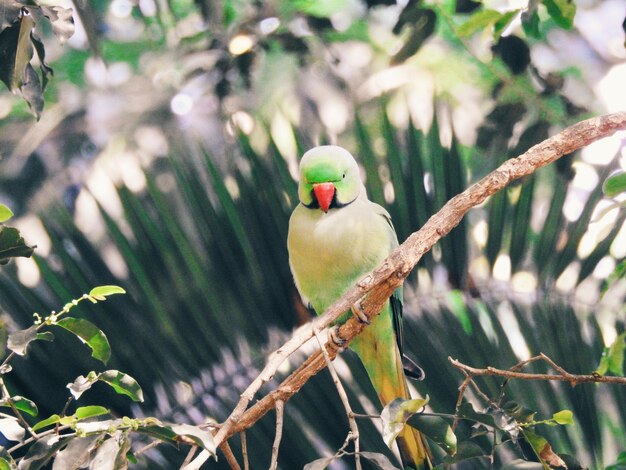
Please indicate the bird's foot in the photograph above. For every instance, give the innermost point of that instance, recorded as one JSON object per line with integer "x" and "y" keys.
{"x": 334, "y": 339}
{"x": 359, "y": 313}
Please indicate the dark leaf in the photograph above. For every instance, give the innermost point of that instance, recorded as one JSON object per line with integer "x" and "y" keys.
{"x": 466, "y": 450}
{"x": 9, "y": 13}
{"x": 514, "y": 52}
{"x": 421, "y": 30}
{"x": 90, "y": 334}
{"x": 380, "y": 460}
{"x": 437, "y": 429}
{"x": 543, "y": 449}
{"x": 467, "y": 6}
{"x": 12, "y": 245}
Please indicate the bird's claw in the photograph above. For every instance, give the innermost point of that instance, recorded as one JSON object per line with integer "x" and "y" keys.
{"x": 335, "y": 339}
{"x": 359, "y": 313}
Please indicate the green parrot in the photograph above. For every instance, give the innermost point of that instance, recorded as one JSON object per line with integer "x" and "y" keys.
{"x": 336, "y": 236}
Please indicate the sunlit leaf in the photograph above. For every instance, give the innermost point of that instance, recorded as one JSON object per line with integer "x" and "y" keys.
{"x": 102, "y": 292}
{"x": 519, "y": 464}
{"x": 563, "y": 417}
{"x": 122, "y": 383}
{"x": 82, "y": 384}
{"x": 41, "y": 452}
{"x": 199, "y": 436}
{"x": 76, "y": 453}
{"x": 11, "y": 429}
{"x": 478, "y": 21}
{"x": 6, "y": 464}
{"x": 106, "y": 454}
{"x": 19, "y": 340}
{"x": 85, "y": 412}
{"x": 46, "y": 422}
{"x": 5, "y": 213}
{"x": 395, "y": 415}
{"x": 90, "y": 334}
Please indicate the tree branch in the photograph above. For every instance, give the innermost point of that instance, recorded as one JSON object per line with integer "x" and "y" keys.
{"x": 371, "y": 292}
{"x": 562, "y": 376}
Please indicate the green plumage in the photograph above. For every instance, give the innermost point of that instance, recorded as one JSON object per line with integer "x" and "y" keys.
{"x": 332, "y": 248}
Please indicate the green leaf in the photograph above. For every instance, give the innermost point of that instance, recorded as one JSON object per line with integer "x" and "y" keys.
{"x": 6, "y": 464}
{"x": 13, "y": 245}
{"x": 612, "y": 359}
{"x": 380, "y": 460}
{"x": 101, "y": 292}
{"x": 46, "y": 422}
{"x": 613, "y": 185}
{"x": 561, "y": 11}
{"x": 90, "y": 334}
{"x": 479, "y": 20}
{"x": 503, "y": 22}
{"x": 122, "y": 383}
{"x": 466, "y": 450}
{"x": 321, "y": 8}
{"x": 22, "y": 404}
{"x": 543, "y": 449}
{"x": 85, "y": 412}
{"x": 5, "y": 213}
{"x": 563, "y": 417}
{"x": 437, "y": 429}
{"x": 395, "y": 415}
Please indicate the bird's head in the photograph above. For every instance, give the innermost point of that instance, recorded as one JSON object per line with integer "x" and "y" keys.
{"x": 329, "y": 177}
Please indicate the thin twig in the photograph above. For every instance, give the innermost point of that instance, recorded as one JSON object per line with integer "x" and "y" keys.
{"x": 354, "y": 429}
{"x": 189, "y": 457}
{"x": 147, "y": 447}
{"x": 562, "y": 376}
{"x": 375, "y": 288}
{"x": 244, "y": 451}
{"x": 230, "y": 457}
{"x": 280, "y": 409}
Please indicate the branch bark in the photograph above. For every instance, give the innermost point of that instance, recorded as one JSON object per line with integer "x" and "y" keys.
{"x": 371, "y": 292}
{"x": 562, "y": 376}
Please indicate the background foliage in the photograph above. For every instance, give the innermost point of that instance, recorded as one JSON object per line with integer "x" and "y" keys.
{"x": 164, "y": 162}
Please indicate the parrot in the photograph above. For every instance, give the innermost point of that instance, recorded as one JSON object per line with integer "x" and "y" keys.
{"x": 336, "y": 236}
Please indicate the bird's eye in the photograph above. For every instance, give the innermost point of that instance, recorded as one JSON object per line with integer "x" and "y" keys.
{"x": 344, "y": 176}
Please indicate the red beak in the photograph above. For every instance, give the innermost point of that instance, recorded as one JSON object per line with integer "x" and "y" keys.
{"x": 324, "y": 193}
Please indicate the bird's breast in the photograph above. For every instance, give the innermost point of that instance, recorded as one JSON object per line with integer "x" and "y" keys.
{"x": 331, "y": 251}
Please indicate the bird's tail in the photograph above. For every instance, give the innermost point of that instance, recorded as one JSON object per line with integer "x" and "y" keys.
{"x": 414, "y": 450}
{"x": 387, "y": 375}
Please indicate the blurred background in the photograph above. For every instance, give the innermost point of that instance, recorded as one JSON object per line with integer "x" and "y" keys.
{"x": 165, "y": 161}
